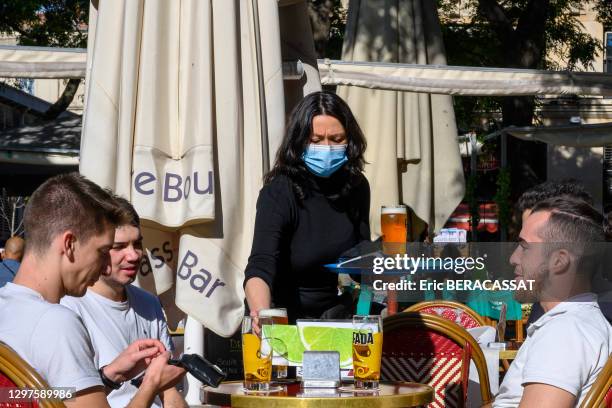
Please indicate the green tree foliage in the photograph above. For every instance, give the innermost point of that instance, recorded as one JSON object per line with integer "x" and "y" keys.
{"x": 48, "y": 23}
{"x": 528, "y": 34}
{"x": 604, "y": 12}
{"x": 328, "y": 21}
{"x": 502, "y": 198}
{"x": 532, "y": 30}
{"x": 519, "y": 34}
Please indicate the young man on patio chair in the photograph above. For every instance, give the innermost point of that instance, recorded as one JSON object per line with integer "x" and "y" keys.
{"x": 550, "y": 189}
{"x": 70, "y": 224}
{"x": 117, "y": 313}
{"x": 569, "y": 345}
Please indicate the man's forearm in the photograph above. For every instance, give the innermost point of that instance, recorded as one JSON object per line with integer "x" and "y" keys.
{"x": 144, "y": 396}
{"x": 110, "y": 375}
{"x": 173, "y": 399}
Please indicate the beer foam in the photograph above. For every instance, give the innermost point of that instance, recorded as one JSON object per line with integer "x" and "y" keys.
{"x": 273, "y": 313}
{"x": 393, "y": 210}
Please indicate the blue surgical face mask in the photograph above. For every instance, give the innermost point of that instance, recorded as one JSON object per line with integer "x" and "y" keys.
{"x": 324, "y": 160}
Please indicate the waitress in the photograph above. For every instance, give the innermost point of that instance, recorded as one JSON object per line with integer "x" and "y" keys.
{"x": 314, "y": 206}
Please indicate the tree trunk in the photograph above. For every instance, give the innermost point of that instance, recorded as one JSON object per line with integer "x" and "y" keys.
{"x": 320, "y": 12}
{"x": 527, "y": 158}
{"x": 64, "y": 100}
{"x": 525, "y": 48}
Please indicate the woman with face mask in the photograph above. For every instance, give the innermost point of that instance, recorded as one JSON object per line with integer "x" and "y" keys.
{"x": 314, "y": 206}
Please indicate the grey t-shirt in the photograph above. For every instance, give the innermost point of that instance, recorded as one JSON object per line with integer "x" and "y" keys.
{"x": 113, "y": 326}
{"x": 50, "y": 337}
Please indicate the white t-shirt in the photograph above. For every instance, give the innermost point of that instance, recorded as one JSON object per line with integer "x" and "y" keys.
{"x": 567, "y": 348}
{"x": 50, "y": 337}
{"x": 113, "y": 326}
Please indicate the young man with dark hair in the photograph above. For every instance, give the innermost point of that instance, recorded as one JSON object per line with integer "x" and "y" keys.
{"x": 69, "y": 225}
{"x": 549, "y": 189}
{"x": 117, "y": 313}
{"x": 567, "y": 348}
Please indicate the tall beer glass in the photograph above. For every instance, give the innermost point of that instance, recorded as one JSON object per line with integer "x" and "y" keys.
{"x": 279, "y": 317}
{"x": 367, "y": 351}
{"x": 256, "y": 354}
{"x": 394, "y": 226}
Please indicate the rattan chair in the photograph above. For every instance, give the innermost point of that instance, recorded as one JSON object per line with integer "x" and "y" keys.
{"x": 600, "y": 394}
{"x": 468, "y": 318}
{"x": 429, "y": 349}
{"x": 15, "y": 372}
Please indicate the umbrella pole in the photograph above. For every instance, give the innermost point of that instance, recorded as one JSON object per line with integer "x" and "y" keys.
{"x": 194, "y": 331}
{"x": 194, "y": 344}
{"x": 263, "y": 114}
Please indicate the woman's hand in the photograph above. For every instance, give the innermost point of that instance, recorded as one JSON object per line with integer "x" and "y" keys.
{"x": 255, "y": 322}
{"x": 258, "y": 297}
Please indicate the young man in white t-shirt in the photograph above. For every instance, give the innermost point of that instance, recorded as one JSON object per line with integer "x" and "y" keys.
{"x": 566, "y": 348}
{"x": 69, "y": 224}
{"x": 117, "y": 313}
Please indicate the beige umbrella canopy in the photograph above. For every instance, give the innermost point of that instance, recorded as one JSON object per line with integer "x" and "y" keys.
{"x": 174, "y": 122}
{"x": 412, "y": 147}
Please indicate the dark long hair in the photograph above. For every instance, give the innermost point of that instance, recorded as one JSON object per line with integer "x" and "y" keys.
{"x": 297, "y": 137}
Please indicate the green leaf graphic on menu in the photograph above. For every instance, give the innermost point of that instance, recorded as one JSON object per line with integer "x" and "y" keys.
{"x": 330, "y": 338}
{"x": 285, "y": 341}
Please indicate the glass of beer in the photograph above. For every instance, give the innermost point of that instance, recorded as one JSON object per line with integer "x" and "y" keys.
{"x": 394, "y": 226}
{"x": 256, "y": 354}
{"x": 279, "y": 317}
{"x": 367, "y": 351}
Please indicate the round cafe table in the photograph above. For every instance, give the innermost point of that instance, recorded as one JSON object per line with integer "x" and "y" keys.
{"x": 390, "y": 394}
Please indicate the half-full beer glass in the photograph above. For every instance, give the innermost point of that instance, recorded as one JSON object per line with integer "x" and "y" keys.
{"x": 256, "y": 354}
{"x": 367, "y": 351}
{"x": 279, "y": 317}
{"x": 393, "y": 223}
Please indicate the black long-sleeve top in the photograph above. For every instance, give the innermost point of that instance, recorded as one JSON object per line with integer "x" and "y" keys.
{"x": 293, "y": 240}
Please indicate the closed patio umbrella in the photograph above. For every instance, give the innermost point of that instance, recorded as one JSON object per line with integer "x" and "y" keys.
{"x": 175, "y": 122}
{"x": 412, "y": 148}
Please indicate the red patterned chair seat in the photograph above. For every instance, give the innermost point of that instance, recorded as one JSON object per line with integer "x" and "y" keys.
{"x": 456, "y": 312}
{"x": 5, "y": 382}
{"x": 418, "y": 355}
{"x": 14, "y": 371}
{"x": 454, "y": 315}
